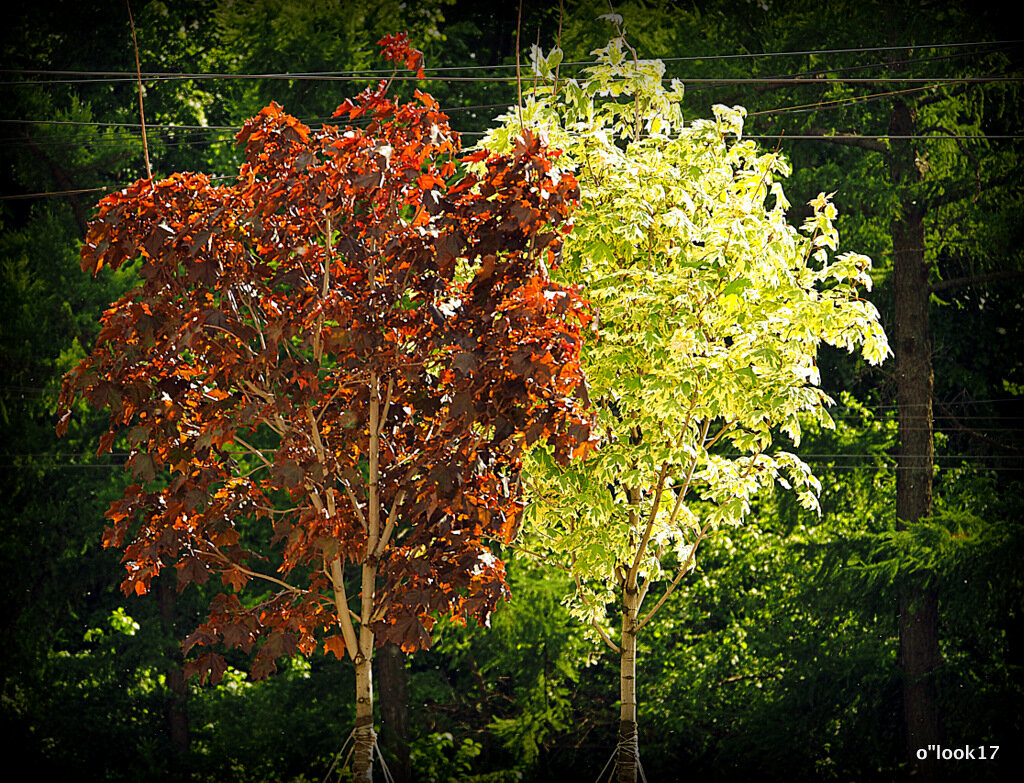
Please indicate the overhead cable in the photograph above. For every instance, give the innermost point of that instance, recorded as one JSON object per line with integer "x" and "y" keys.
{"x": 374, "y": 73}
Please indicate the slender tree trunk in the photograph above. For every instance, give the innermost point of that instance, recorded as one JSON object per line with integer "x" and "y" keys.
{"x": 628, "y": 756}
{"x": 918, "y": 607}
{"x": 365, "y": 736}
{"x": 394, "y": 711}
{"x": 362, "y": 756}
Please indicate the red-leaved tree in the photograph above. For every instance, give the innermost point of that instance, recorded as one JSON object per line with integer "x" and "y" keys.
{"x": 356, "y": 340}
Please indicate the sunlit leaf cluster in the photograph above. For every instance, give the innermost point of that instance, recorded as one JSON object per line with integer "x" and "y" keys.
{"x": 711, "y": 307}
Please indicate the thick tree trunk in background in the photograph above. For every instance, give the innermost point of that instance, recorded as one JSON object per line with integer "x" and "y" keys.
{"x": 394, "y": 711}
{"x": 918, "y": 608}
{"x": 177, "y": 708}
{"x": 628, "y": 755}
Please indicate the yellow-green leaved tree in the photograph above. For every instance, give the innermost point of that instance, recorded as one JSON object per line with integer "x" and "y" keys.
{"x": 711, "y": 309}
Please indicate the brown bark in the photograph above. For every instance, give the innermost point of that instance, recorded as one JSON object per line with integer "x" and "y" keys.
{"x": 394, "y": 711}
{"x": 918, "y": 607}
{"x": 177, "y": 707}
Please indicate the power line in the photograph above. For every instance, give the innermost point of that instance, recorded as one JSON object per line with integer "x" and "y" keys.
{"x": 382, "y": 72}
{"x": 853, "y": 50}
{"x": 131, "y": 125}
{"x": 821, "y": 467}
{"x": 929, "y": 83}
{"x": 886, "y": 136}
{"x": 47, "y": 193}
{"x": 805, "y": 456}
{"x": 844, "y": 136}
{"x": 713, "y": 80}
{"x": 888, "y": 64}
{"x": 836, "y": 103}
{"x": 233, "y": 128}
{"x": 772, "y": 137}
{"x": 128, "y": 141}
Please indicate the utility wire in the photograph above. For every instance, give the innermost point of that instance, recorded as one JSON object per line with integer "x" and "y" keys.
{"x": 807, "y": 456}
{"x": 233, "y": 128}
{"x": 928, "y": 84}
{"x": 853, "y": 409}
{"x": 884, "y": 136}
{"x": 170, "y": 128}
{"x": 817, "y": 466}
{"x": 713, "y": 80}
{"x": 835, "y": 103}
{"x": 372, "y": 73}
{"x": 759, "y": 137}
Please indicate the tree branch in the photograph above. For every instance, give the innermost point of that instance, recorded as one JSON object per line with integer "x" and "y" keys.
{"x": 389, "y": 525}
{"x": 593, "y": 621}
{"x": 961, "y": 282}
{"x": 642, "y": 546}
{"x": 345, "y": 614}
{"x": 531, "y": 553}
{"x": 355, "y": 505}
{"x": 254, "y": 451}
{"x": 849, "y": 139}
{"x": 948, "y": 414}
{"x": 138, "y": 73}
{"x": 683, "y": 570}
{"x": 249, "y": 572}
{"x": 962, "y": 194}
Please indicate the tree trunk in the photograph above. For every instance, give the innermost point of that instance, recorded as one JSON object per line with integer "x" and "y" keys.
{"x": 365, "y": 737}
{"x": 394, "y": 711}
{"x": 919, "y": 613}
{"x": 177, "y": 712}
{"x": 627, "y": 757}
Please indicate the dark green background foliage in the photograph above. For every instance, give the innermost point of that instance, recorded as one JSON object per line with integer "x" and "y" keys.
{"x": 778, "y": 658}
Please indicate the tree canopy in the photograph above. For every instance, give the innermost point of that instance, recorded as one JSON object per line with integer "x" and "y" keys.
{"x": 341, "y": 345}
{"x": 711, "y": 309}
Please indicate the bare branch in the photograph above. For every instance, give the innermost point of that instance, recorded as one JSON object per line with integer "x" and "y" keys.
{"x": 138, "y": 73}
{"x": 387, "y": 405}
{"x": 255, "y": 321}
{"x": 725, "y": 428}
{"x": 269, "y": 578}
{"x": 249, "y": 572}
{"x": 63, "y": 180}
{"x": 345, "y": 614}
{"x": 355, "y": 505}
{"x": 389, "y": 525}
{"x": 649, "y": 528}
{"x": 953, "y": 195}
{"x": 948, "y": 414}
{"x": 254, "y": 451}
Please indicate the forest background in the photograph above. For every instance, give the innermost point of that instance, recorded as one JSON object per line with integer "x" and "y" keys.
{"x": 780, "y": 655}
